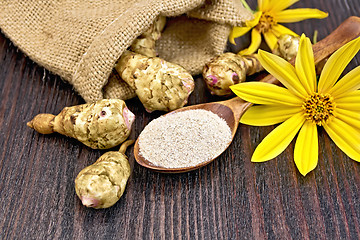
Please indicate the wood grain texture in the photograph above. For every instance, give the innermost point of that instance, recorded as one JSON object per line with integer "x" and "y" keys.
{"x": 231, "y": 198}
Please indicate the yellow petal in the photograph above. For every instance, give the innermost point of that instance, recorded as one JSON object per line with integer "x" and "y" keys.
{"x": 252, "y": 23}
{"x": 336, "y": 65}
{"x": 265, "y": 93}
{"x": 255, "y": 43}
{"x": 237, "y": 32}
{"x": 352, "y": 118}
{"x": 349, "y": 102}
{"x": 266, "y": 115}
{"x": 281, "y": 5}
{"x": 299, "y": 14}
{"x": 270, "y": 39}
{"x": 278, "y": 140}
{"x": 240, "y": 31}
{"x": 306, "y": 150}
{"x": 279, "y": 30}
{"x": 305, "y": 65}
{"x": 349, "y": 83}
{"x": 345, "y": 137}
{"x": 283, "y": 71}
{"x": 264, "y": 5}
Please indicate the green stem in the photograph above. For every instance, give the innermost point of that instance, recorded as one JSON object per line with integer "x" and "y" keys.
{"x": 315, "y": 36}
{"x": 246, "y": 5}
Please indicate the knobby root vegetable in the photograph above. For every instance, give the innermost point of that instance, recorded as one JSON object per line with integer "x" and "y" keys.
{"x": 287, "y": 46}
{"x": 228, "y": 69}
{"x": 145, "y": 43}
{"x": 100, "y": 125}
{"x": 159, "y": 85}
{"x": 101, "y": 184}
{"x": 115, "y": 83}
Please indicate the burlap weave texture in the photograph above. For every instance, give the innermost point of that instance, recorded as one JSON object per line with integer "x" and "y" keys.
{"x": 82, "y": 40}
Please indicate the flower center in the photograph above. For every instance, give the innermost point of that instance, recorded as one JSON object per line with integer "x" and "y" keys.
{"x": 265, "y": 23}
{"x": 319, "y": 108}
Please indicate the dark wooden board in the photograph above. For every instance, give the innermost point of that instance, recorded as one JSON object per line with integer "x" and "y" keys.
{"x": 230, "y": 198}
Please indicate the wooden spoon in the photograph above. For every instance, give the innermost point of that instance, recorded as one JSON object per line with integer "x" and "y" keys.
{"x": 231, "y": 110}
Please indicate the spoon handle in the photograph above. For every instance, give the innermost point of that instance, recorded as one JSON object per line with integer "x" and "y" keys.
{"x": 344, "y": 33}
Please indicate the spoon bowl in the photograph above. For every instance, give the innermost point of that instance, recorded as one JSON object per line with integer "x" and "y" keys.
{"x": 231, "y": 110}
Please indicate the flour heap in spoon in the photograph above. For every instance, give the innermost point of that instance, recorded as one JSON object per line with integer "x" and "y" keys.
{"x": 184, "y": 139}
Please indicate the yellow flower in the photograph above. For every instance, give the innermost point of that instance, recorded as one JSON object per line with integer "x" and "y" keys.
{"x": 272, "y": 12}
{"x": 302, "y": 105}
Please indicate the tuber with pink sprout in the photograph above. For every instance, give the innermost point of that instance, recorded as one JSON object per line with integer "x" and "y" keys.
{"x": 101, "y": 184}
{"x": 100, "y": 125}
{"x": 229, "y": 68}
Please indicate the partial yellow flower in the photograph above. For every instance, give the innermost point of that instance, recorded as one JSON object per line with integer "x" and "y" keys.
{"x": 266, "y": 22}
{"x": 303, "y": 104}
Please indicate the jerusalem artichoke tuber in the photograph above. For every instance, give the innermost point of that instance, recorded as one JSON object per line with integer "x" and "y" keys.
{"x": 101, "y": 184}
{"x": 160, "y": 85}
{"x": 145, "y": 43}
{"x": 287, "y": 46}
{"x": 100, "y": 125}
{"x": 229, "y": 69}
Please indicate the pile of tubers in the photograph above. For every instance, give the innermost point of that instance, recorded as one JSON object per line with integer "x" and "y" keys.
{"x": 104, "y": 124}
{"x": 100, "y": 125}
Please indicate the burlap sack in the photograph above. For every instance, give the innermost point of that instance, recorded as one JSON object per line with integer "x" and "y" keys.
{"x": 81, "y": 40}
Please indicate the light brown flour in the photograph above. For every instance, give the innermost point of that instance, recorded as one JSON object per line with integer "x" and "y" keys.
{"x": 184, "y": 139}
